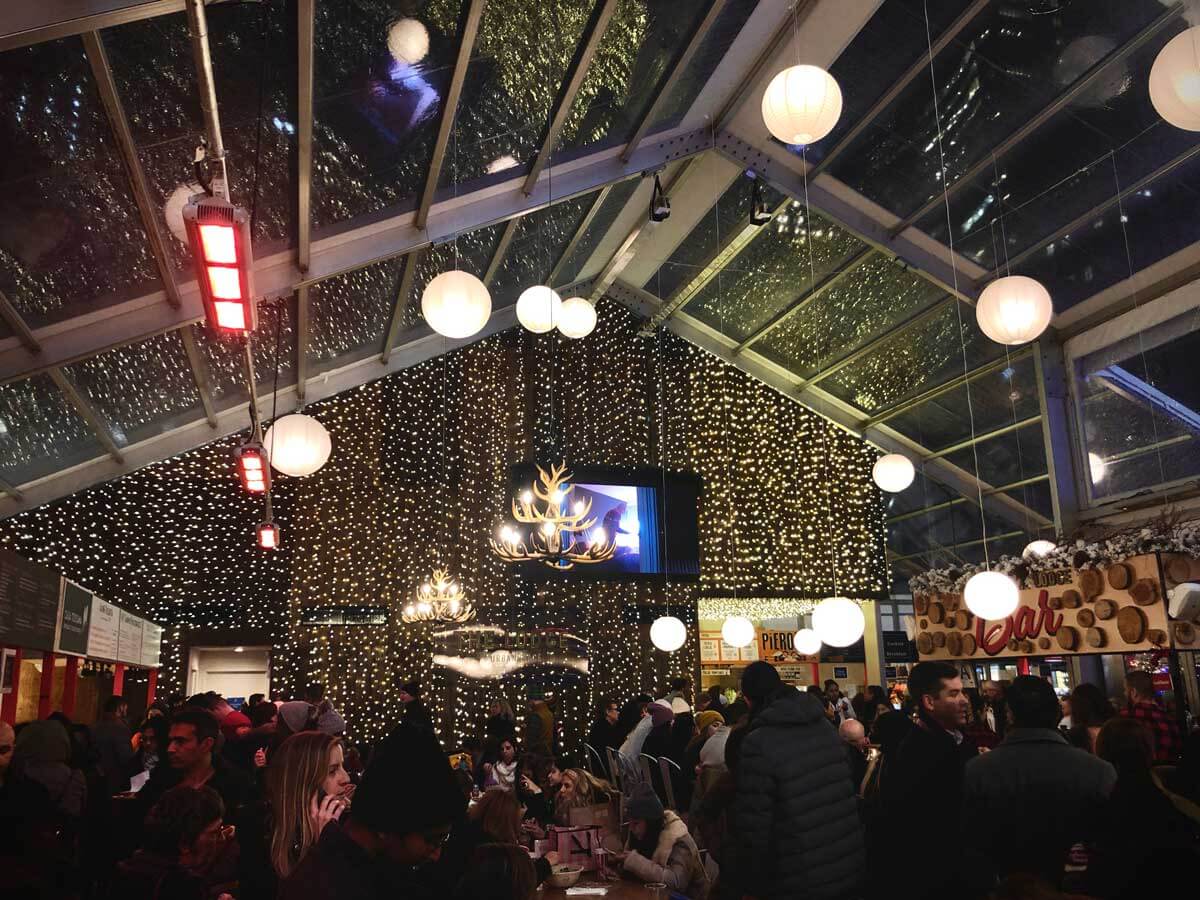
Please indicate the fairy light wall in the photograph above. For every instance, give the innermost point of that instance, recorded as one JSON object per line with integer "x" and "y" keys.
{"x": 419, "y": 477}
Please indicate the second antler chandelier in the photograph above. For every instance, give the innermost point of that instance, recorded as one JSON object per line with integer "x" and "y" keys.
{"x": 561, "y": 533}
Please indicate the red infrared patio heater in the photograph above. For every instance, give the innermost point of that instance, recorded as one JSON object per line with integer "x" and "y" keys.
{"x": 219, "y": 235}
{"x": 254, "y": 469}
{"x": 268, "y": 536}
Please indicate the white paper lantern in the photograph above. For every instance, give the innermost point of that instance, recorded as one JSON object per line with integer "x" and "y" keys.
{"x": 456, "y": 304}
{"x": 893, "y": 472}
{"x": 668, "y": 634}
{"x": 173, "y": 209}
{"x": 991, "y": 595}
{"x": 1038, "y": 549}
{"x": 1098, "y": 467}
{"x": 738, "y": 631}
{"x": 408, "y": 41}
{"x": 538, "y": 308}
{"x": 1175, "y": 80}
{"x": 807, "y": 642}
{"x": 576, "y": 318}
{"x": 801, "y": 104}
{"x": 838, "y": 621}
{"x": 1014, "y": 310}
{"x": 297, "y": 445}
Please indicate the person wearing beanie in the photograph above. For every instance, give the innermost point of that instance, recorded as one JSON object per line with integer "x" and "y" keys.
{"x": 401, "y": 818}
{"x": 795, "y": 816}
{"x": 707, "y": 722}
{"x": 679, "y": 706}
{"x": 662, "y": 717}
{"x": 660, "y": 849}
{"x": 416, "y": 713}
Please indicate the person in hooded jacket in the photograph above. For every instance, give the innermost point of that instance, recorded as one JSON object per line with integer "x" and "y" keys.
{"x": 795, "y": 816}
{"x": 660, "y": 849}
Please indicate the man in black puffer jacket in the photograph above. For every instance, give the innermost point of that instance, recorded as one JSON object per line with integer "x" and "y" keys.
{"x": 795, "y": 817}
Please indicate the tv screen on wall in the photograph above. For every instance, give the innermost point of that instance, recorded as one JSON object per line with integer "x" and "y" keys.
{"x": 653, "y": 521}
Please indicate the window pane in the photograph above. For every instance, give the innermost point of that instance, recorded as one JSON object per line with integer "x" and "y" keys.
{"x": 39, "y": 431}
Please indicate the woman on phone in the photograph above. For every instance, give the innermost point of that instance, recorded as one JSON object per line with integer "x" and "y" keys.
{"x": 308, "y": 788}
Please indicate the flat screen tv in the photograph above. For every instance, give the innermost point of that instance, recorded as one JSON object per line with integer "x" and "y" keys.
{"x": 653, "y": 520}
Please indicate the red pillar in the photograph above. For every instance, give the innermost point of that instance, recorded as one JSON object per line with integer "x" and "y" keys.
{"x": 1023, "y": 665}
{"x": 151, "y": 683}
{"x": 816, "y": 673}
{"x": 8, "y": 712}
{"x": 70, "y": 682}
{"x": 47, "y": 686}
{"x": 118, "y": 678}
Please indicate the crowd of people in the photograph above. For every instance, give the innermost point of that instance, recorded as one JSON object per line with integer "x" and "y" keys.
{"x": 773, "y": 792}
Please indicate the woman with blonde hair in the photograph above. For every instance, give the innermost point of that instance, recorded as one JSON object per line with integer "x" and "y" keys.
{"x": 580, "y": 788}
{"x": 308, "y": 788}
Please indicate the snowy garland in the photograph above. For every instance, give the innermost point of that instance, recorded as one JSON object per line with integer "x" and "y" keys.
{"x": 1081, "y": 554}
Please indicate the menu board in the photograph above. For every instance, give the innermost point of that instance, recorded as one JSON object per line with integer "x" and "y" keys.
{"x": 29, "y": 598}
{"x": 74, "y": 619}
{"x": 151, "y": 644}
{"x": 102, "y": 635}
{"x": 710, "y": 650}
{"x": 129, "y": 638}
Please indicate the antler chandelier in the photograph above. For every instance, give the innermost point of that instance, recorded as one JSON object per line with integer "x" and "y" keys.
{"x": 561, "y": 534}
{"x": 438, "y": 600}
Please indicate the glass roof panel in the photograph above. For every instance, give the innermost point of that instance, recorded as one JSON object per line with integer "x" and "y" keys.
{"x": 573, "y": 267}
{"x": 39, "y": 431}
{"x": 771, "y": 272}
{"x": 923, "y": 492}
{"x": 995, "y": 400}
{"x": 1005, "y": 66}
{"x": 1006, "y": 458}
{"x": 639, "y": 47}
{"x": 539, "y": 241}
{"x": 1065, "y": 167}
{"x": 156, "y": 78}
{"x": 694, "y": 252}
{"x": 947, "y": 533}
{"x": 711, "y": 51}
{"x": 349, "y": 314}
{"x": 863, "y": 305}
{"x": 224, "y": 356}
{"x": 71, "y": 239}
{"x": 914, "y": 360}
{"x": 1035, "y": 496}
{"x": 141, "y": 389}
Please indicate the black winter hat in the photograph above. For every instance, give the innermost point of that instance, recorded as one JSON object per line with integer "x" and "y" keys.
{"x": 760, "y": 681}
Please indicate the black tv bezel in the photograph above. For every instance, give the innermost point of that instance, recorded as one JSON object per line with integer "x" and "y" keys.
{"x": 521, "y": 474}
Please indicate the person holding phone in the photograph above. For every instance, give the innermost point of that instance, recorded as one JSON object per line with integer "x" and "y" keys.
{"x": 309, "y": 788}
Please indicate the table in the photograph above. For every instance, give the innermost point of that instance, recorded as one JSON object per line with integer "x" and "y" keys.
{"x": 624, "y": 889}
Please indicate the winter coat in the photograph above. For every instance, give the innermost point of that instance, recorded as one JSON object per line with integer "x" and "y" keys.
{"x": 675, "y": 862}
{"x": 795, "y": 815}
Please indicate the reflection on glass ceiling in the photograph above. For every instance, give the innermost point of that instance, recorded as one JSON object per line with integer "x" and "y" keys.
{"x": 349, "y": 314}
{"x": 273, "y": 343}
{"x": 540, "y": 239}
{"x": 39, "y": 431}
{"x": 573, "y": 266}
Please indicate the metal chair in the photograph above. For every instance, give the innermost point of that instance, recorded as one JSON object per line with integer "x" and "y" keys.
{"x": 648, "y": 765}
{"x": 595, "y": 762}
{"x": 668, "y": 778}
{"x": 614, "y": 770}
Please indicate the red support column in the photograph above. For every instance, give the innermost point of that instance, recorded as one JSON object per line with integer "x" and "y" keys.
{"x": 1023, "y": 665}
{"x": 47, "y": 687}
{"x": 70, "y": 682}
{"x": 8, "y": 712}
{"x": 151, "y": 684}
{"x": 118, "y": 678}
{"x": 816, "y": 673}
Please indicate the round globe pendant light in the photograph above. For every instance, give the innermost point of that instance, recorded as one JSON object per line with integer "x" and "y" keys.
{"x": 893, "y": 472}
{"x": 668, "y": 634}
{"x": 738, "y": 631}
{"x": 807, "y": 642}
{"x": 577, "y": 317}
{"x": 173, "y": 209}
{"x": 801, "y": 104}
{"x": 1097, "y": 467}
{"x": 539, "y": 308}
{"x": 456, "y": 304}
{"x": 1014, "y": 310}
{"x": 1175, "y": 80}
{"x": 1038, "y": 549}
{"x": 297, "y": 445}
{"x": 838, "y": 621}
{"x": 408, "y": 41}
{"x": 991, "y": 595}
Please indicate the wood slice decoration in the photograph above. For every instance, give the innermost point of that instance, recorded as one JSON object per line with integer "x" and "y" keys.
{"x": 1013, "y": 646}
{"x": 1054, "y": 603}
{"x": 1071, "y": 599}
{"x": 1105, "y": 609}
{"x": 921, "y": 604}
{"x": 924, "y": 643}
{"x": 1156, "y": 636}
{"x": 1178, "y": 569}
{"x": 1044, "y": 643}
{"x": 954, "y": 643}
{"x": 1096, "y": 638}
{"x": 1026, "y": 647}
{"x": 1144, "y": 591}
{"x": 1120, "y": 576}
{"x": 969, "y": 645}
{"x": 952, "y": 602}
{"x": 939, "y": 639}
{"x": 937, "y": 613}
{"x": 1185, "y": 633}
{"x": 924, "y": 624}
{"x": 1068, "y": 637}
{"x": 1086, "y": 618}
{"x": 1091, "y": 582}
{"x": 1131, "y": 625}
{"x": 962, "y": 619}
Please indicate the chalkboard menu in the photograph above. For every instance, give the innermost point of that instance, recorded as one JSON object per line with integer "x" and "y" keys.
{"x": 102, "y": 635}
{"x": 897, "y": 648}
{"x": 29, "y": 596}
{"x": 74, "y": 620}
